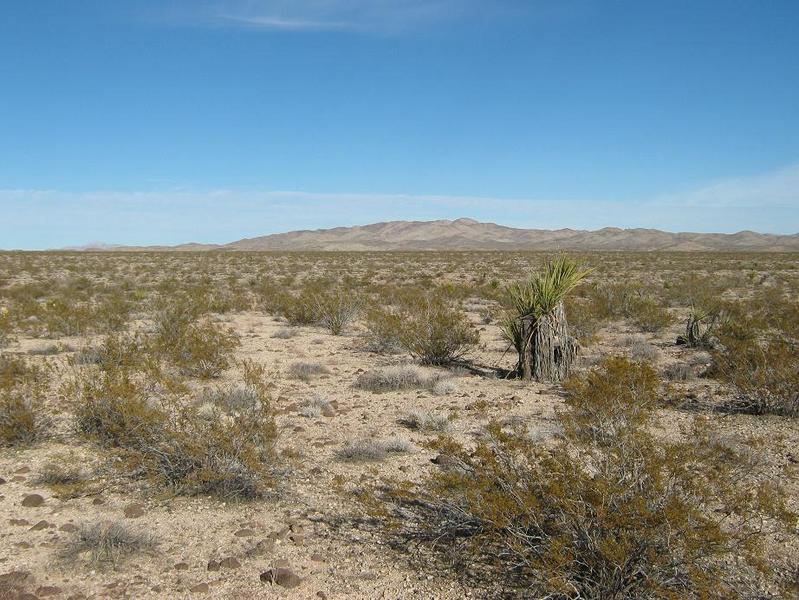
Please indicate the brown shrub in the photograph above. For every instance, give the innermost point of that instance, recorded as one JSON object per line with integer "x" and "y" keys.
{"x": 606, "y": 511}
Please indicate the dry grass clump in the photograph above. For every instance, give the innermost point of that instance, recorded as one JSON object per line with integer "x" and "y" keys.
{"x": 285, "y": 334}
{"x": 305, "y": 371}
{"x": 427, "y": 326}
{"x": 607, "y": 510}
{"x": 315, "y": 407}
{"x": 643, "y": 350}
{"x": 58, "y": 474}
{"x": 231, "y": 398}
{"x": 366, "y": 450}
{"x": 107, "y": 543}
{"x": 420, "y": 420}
{"x": 403, "y": 377}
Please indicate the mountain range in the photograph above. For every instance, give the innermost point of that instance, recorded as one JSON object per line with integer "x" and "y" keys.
{"x": 468, "y": 234}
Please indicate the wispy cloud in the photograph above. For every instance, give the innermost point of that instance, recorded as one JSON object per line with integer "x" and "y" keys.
{"x": 365, "y": 16}
{"x": 767, "y": 202}
{"x": 776, "y": 189}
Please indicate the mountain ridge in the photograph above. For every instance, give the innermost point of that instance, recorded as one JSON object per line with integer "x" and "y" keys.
{"x": 469, "y": 234}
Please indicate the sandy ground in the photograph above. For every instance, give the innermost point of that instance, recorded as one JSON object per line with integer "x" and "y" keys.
{"x": 309, "y": 527}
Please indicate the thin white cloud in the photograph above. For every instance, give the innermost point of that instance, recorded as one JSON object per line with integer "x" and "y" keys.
{"x": 288, "y": 24}
{"x": 336, "y": 15}
{"x": 767, "y": 202}
{"x": 777, "y": 189}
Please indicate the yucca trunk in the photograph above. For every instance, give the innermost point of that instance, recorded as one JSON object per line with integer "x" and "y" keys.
{"x": 547, "y": 349}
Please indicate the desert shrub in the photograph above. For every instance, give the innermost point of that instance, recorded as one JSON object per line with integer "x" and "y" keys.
{"x": 107, "y": 543}
{"x": 629, "y": 301}
{"x": 366, "y": 450}
{"x": 398, "y": 377}
{"x": 23, "y": 418}
{"x": 305, "y": 371}
{"x": 443, "y": 387}
{"x": 315, "y": 407}
{"x": 113, "y": 312}
{"x": 427, "y": 327}
{"x": 299, "y": 309}
{"x": 679, "y": 372}
{"x": 336, "y": 310}
{"x": 284, "y": 334}
{"x": 227, "y": 454}
{"x": 382, "y": 335}
{"x": 649, "y": 315}
{"x": 230, "y": 457}
{"x": 420, "y": 420}
{"x": 613, "y": 514}
{"x": 198, "y": 348}
{"x": 115, "y": 411}
{"x": 6, "y": 327}
{"x": 62, "y": 317}
{"x": 643, "y": 350}
{"x": 584, "y": 322}
{"x": 57, "y": 474}
{"x": 759, "y": 360}
{"x": 231, "y": 398}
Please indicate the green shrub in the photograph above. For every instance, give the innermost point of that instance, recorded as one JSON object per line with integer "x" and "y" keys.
{"x": 761, "y": 364}
{"x": 427, "y": 327}
{"x": 23, "y": 418}
{"x": 336, "y": 310}
{"x": 608, "y": 510}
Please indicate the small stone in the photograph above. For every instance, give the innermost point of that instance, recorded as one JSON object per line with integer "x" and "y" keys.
{"x": 19, "y": 522}
{"x": 320, "y": 594}
{"x": 40, "y": 525}
{"x": 246, "y": 532}
{"x": 32, "y": 500}
{"x": 200, "y": 588}
{"x": 48, "y": 590}
{"x": 23, "y": 470}
{"x": 2, "y": 481}
{"x": 68, "y": 527}
{"x": 282, "y": 576}
{"x": 229, "y": 563}
{"x": 181, "y": 566}
{"x": 98, "y": 500}
{"x": 316, "y": 557}
{"x": 214, "y": 565}
{"x": 133, "y": 511}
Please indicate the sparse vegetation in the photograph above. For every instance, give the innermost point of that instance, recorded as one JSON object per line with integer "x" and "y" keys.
{"x": 611, "y": 511}
{"x": 107, "y": 543}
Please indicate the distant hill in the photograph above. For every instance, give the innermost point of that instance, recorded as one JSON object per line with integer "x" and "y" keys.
{"x": 468, "y": 234}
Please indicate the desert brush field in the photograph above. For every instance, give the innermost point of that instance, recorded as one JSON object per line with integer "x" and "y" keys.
{"x": 356, "y": 425}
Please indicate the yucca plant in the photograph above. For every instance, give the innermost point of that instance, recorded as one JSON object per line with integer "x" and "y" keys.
{"x": 536, "y": 323}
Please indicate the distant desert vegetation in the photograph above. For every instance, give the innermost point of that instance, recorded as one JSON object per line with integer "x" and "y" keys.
{"x": 485, "y": 424}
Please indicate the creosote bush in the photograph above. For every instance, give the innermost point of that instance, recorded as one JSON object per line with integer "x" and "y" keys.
{"x": 336, "y": 310}
{"x": 426, "y": 326}
{"x": 23, "y": 418}
{"x": 227, "y": 452}
{"x": 756, "y": 354}
{"x": 608, "y": 510}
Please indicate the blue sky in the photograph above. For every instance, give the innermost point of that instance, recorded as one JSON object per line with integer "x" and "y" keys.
{"x": 144, "y": 122}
